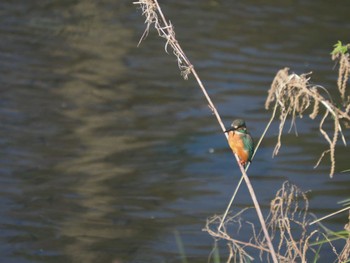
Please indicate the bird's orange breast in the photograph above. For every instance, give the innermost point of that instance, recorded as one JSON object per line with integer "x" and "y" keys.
{"x": 237, "y": 145}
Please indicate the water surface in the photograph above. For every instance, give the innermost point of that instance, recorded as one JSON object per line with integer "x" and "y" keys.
{"x": 106, "y": 152}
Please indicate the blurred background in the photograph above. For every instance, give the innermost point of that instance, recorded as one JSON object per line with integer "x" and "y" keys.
{"x": 107, "y": 154}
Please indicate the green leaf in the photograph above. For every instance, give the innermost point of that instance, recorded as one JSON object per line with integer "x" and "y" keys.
{"x": 339, "y": 48}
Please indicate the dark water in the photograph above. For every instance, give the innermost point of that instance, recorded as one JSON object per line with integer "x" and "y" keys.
{"x": 106, "y": 152}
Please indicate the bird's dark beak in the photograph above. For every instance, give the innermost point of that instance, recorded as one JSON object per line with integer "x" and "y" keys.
{"x": 231, "y": 129}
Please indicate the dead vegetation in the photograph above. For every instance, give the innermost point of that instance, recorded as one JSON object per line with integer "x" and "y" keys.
{"x": 293, "y": 95}
{"x": 288, "y": 223}
{"x": 289, "y": 220}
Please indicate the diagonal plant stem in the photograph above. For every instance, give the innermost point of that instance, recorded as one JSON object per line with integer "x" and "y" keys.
{"x": 330, "y": 215}
{"x": 166, "y": 31}
{"x": 175, "y": 44}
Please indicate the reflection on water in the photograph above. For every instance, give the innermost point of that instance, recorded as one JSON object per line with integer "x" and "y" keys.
{"x": 105, "y": 151}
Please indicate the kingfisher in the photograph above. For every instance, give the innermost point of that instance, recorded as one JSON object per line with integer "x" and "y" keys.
{"x": 240, "y": 141}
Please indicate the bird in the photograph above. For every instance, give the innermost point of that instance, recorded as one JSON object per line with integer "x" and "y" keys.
{"x": 240, "y": 141}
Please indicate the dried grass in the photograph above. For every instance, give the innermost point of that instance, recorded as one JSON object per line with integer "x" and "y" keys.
{"x": 289, "y": 229}
{"x": 343, "y": 75}
{"x": 293, "y": 95}
{"x": 153, "y": 15}
{"x": 288, "y": 221}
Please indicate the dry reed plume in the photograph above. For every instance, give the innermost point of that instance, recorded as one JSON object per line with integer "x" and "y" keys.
{"x": 150, "y": 9}
{"x": 343, "y": 73}
{"x": 288, "y": 220}
{"x": 293, "y": 95}
{"x": 288, "y": 224}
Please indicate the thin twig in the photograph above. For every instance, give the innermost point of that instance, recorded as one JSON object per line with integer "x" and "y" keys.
{"x": 332, "y": 214}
